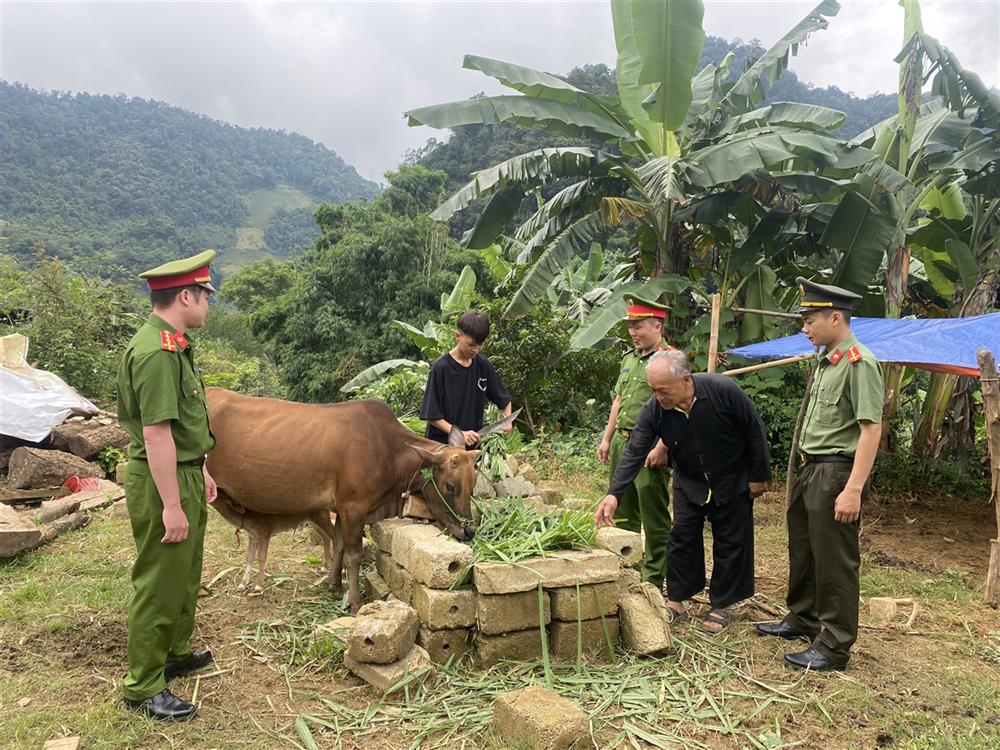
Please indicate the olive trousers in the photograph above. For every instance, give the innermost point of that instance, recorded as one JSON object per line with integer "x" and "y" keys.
{"x": 165, "y": 578}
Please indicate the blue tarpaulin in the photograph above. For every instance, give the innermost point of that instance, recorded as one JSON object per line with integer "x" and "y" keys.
{"x": 938, "y": 344}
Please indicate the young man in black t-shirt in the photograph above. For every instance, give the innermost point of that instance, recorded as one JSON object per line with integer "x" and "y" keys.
{"x": 459, "y": 383}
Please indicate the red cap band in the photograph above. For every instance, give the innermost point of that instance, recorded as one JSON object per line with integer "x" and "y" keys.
{"x": 198, "y": 276}
{"x": 646, "y": 312}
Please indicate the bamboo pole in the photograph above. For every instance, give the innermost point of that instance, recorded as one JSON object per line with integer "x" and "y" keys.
{"x": 772, "y": 363}
{"x": 990, "y": 380}
{"x": 713, "y": 339}
{"x": 772, "y": 313}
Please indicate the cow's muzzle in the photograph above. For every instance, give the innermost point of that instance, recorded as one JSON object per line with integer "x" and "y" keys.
{"x": 468, "y": 532}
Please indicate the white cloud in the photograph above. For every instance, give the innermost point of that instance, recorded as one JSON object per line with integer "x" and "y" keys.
{"x": 343, "y": 73}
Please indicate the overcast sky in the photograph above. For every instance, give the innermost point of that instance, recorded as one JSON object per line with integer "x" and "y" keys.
{"x": 342, "y": 73}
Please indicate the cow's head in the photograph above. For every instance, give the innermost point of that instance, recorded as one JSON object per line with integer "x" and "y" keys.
{"x": 448, "y": 495}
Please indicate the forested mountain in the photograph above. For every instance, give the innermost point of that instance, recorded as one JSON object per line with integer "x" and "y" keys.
{"x": 111, "y": 179}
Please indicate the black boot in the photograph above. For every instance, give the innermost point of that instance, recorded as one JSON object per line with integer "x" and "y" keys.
{"x": 197, "y": 660}
{"x": 164, "y": 706}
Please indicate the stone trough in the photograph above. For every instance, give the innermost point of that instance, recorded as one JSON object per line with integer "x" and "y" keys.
{"x": 502, "y": 611}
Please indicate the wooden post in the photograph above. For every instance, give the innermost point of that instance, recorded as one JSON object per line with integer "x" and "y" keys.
{"x": 772, "y": 363}
{"x": 990, "y": 380}
{"x": 713, "y": 339}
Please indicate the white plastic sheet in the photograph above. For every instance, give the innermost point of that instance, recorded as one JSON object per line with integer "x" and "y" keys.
{"x": 32, "y": 401}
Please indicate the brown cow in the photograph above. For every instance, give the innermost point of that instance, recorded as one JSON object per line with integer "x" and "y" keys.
{"x": 283, "y": 457}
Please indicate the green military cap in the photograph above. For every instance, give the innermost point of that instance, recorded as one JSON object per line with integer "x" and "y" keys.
{"x": 183, "y": 272}
{"x": 640, "y": 309}
{"x": 823, "y": 296}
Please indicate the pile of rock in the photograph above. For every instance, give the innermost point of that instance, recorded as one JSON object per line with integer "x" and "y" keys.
{"x": 381, "y": 646}
{"x": 38, "y": 472}
{"x": 505, "y": 610}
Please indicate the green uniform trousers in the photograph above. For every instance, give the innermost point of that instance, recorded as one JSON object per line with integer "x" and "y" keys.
{"x": 646, "y": 505}
{"x": 824, "y": 561}
{"x": 165, "y": 578}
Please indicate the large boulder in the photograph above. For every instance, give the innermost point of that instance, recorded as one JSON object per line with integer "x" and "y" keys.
{"x": 35, "y": 468}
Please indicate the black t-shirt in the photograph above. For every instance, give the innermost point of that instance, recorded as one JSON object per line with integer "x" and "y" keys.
{"x": 458, "y": 394}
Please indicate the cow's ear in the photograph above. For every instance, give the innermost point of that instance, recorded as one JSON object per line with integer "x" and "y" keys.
{"x": 428, "y": 457}
{"x": 474, "y": 455}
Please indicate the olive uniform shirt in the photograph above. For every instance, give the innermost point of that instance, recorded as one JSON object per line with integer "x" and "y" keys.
{"x": 158, "y": 381}
{"x": 847, "y": 389}
{"x": 632, "y": 386}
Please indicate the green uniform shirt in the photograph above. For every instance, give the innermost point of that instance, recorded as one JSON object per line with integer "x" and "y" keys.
{"x": 632, "y": 387}
{"x": 846, "y": 389}
{"x": 156, "y": 384}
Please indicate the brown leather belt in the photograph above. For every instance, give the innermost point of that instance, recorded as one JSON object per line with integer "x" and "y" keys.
{"x": 832, "y": 458}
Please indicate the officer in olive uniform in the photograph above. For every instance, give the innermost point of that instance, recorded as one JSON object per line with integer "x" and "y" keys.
{"x": 161, "y": 404}
{"x": 646, "y": 504}
{"x": 839, "y": 442}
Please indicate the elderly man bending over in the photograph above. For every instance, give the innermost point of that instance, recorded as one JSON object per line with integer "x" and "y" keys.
{"x": 718, "y": 451}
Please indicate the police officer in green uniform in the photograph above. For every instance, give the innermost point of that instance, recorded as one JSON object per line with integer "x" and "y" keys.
{"x": 646, "y": 504}
{"x": 161, "y": 404}
{"x": 839, "y": 442}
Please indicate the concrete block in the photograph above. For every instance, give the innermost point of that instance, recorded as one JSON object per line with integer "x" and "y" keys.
{"x": 643, "y": 614}
{"x": 377, "y": 587}
{"x": 383, "y": 632}
{"x": 119, "y": 509}
{"x": 382, "y": 531}
{"x": 624, "y": 543}
{"x": 579, "y": 503}
{"x": 405, "y": 537}
{"x": 120, "y": 472}
{"x": 522, "y": 645}
{"x": 445, "y": 610}
{"x": 442, "y": 645}
{"x": 557, "y": 570}
{"x": 595, "y": 600}
{"x": 397, "y": 577}
{"x": 535, "y": 717}
{"x": 551, "y": 491}
{"x": 506, "y": 613}
{"x": 416, "y": 665}
{"x": 528, "y": 473}
{"x": 438, "y": 562}
{"x": 514, "y": 487}
{"x": 599, "y": 638}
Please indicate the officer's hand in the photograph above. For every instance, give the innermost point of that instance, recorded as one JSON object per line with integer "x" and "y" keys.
{"x": 175, "y": 523}
{"x": 605, "y": 513}
{"x": 847, "y": 509}
{"x": 757, "y": 488}
{"x": 211, "y": 489}
{"x": 602, "y": 450}
{"x": 657, "y": 458}
{"x": 471, "y": 437}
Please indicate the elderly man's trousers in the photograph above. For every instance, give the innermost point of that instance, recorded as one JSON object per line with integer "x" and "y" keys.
{"x": 165, "y": 578}
{"x": 646, "y": 506}
{"x": 732, "y": 547}
{"x": 824, "y": 561}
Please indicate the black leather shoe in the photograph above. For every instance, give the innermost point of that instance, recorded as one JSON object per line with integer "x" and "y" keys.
{"x": 814, "y": 660}
{"x": 164, "y": 706}
{"x": 781, "y": 629}
{"x": 197, "y": 660}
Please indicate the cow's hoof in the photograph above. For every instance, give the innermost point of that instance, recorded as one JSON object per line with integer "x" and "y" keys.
{"x": 258, "y": 589}
{"x": 241, "y": 588}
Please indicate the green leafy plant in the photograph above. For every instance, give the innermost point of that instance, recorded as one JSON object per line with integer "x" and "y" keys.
{"x": 109, "y": 458}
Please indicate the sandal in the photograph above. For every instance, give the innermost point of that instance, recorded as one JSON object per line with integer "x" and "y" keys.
{"x": 719, "y": 617}
{"x": 676, "y": 617}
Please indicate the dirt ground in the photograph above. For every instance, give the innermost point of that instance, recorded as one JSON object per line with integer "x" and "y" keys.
{"x": 62, "y": 646}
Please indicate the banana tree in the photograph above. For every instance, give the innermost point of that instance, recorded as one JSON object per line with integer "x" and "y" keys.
{"x": 673, "y": 141}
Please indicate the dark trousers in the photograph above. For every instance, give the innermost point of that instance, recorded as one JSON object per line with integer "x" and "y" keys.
{"x": 823, "y": 561}
{"x": 732, "y": 548}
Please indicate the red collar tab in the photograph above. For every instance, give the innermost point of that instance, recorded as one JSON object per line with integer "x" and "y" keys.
{"x": 642, "y": 311}
{"x": 181, "y": 341}
{"x": 167, "y": 342}
{"x": 854, "y": 354}
{"x": 836, "y": 356}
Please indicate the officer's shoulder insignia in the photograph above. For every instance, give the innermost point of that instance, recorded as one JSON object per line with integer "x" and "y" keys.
{"x": 167, "y": 342}
{"x": 836, "y": 356}
{"x": 181, "y": 341}
{"x": 854, "y": 354}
